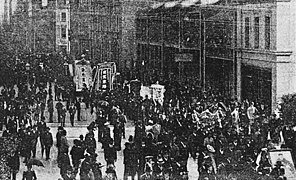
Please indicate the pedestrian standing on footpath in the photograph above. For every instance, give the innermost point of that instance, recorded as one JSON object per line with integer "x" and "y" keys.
{"x": 14, "y": 164}
{"x": 78, "y": 107}
{"x": 63, "y": 116}
{"x": 64, "y": 142}
{"x": 72, "y": 112}
{"x": 41, "y": 126}
{"x": 43, "y": 102}
{"x": 34, "y": 140}
{"x": 58, "y": 138}
{"x": 48, "y": 142}
{"x": 50, "y": 108}
{"x": 59, "y": 106}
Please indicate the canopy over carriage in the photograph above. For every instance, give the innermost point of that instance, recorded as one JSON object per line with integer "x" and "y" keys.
{"x": 105, "y": 76}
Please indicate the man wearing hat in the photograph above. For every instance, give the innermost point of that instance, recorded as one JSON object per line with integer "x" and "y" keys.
{"x": 48, "y": 142}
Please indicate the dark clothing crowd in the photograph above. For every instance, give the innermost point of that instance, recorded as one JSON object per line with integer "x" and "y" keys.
{"x": 223, "y": 135}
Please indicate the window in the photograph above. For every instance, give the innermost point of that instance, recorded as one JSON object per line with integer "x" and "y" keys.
{"x": 64, "y": 32}
{"x": 267, "y": 32}
{"x": 64, "y": 17}
{"x": 256, "y": 33}
{"x": 247, "y": 32}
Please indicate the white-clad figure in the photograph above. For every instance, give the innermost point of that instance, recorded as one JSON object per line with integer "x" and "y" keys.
{"x": 83, "y": 114}
{"x": 251, "y": 113}
{"x": 235, "y": 118}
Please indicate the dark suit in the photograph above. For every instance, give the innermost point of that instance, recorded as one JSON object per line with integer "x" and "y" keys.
{"x": 48, "y": 142}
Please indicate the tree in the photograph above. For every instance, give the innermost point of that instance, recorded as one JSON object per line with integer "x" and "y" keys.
{"x": 288, "y": 108}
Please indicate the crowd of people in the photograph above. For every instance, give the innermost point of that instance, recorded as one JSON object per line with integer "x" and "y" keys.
{"x": 223, "y": 135}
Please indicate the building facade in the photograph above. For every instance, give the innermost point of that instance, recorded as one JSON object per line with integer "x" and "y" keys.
{"x": 106, "y": 30}
{"x": 34, "y": 26}
{"x": 193, "y": 44}
{"x": 103, "y": 30}
{"x": 244, "y": 49}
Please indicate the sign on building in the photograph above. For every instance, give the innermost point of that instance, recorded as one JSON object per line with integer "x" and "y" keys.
{"x": 184, "y": 57}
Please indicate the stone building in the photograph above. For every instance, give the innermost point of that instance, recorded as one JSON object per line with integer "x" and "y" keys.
{"x": 33, "y": 26}
{"x": 104, "y": 30}
{"x": 246, "y": 49}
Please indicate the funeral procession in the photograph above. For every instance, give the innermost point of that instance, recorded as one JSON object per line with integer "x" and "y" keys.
{"x": 147, "y": 90}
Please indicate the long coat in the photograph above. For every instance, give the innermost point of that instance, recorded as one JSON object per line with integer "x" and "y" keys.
{"x": 110, "y": 154}
{"x": 48, "y": 140}
{"x": 64, "y": 144}
{"x": 130, "y": 160}
{"x": 14, "y": 162}
{"x": 64, "y": 163}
